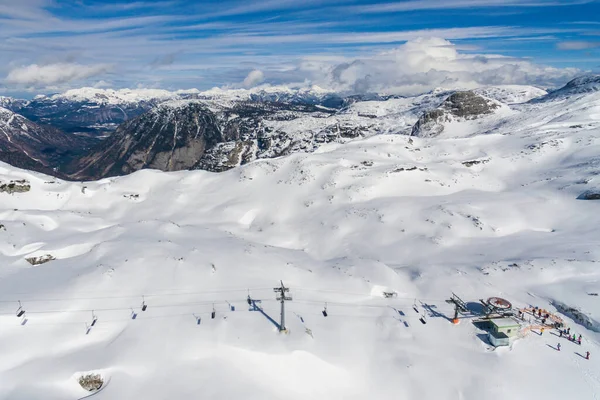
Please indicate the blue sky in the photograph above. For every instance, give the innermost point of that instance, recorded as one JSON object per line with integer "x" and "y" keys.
{"x": 53, "y": 45}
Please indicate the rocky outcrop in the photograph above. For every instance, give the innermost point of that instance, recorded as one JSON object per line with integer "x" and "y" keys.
{"x": 40, "y": 259}
{"x": 20, "y": 186}
{"x": 458, "y": 106}
{"x": 590, "y": 195}
{"x": 91, "y": 382}
{"x": 430, "y": 124}
{"x": 171, "y": 137}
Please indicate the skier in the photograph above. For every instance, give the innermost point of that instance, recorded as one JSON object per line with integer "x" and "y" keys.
{"x": 568, "y": 331}
{"x": 558, "y": 347}
{"x": 587, "y": 355}
{"x": 560, "y": 330}
{"x": 573, "y": 337}
{"x": 541, "y": 331}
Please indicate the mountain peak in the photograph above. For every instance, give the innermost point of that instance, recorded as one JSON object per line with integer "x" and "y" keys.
{"x": 466, "y": 105}
{"x": 112, "y": 96}
{"x": 579, "y": 86}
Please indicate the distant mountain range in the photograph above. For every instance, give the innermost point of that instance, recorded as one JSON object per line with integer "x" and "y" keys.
{"x": 93, "y": 133}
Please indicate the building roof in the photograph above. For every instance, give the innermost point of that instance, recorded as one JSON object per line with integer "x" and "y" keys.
{"x": 505, "y": 322}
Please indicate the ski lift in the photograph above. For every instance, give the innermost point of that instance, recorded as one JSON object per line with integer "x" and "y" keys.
{"x": 325, "y": 310}
{"x": 422, "y": 319}
{"x": 144, "y": 305}
{"x": 94, "y": 319}
{"x": 249, "y": 300}
{"x": 231, "y": 307}
{"x": 198, "y": 319}
{"x": 214, "y": 313}
{"x": 415, "y": 307}
{"x": 20, "y": 310}
{"x": 133, "y": 314}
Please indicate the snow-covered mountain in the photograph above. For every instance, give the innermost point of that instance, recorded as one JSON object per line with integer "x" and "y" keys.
{"x": 100, "y": 111}
{"x": 455, "y": 109}
{"x": 494, "y": 213}
{"x": 111, "y": 96}
{"x": 221, "y": 133}
{"x": 244, "y": 125}
{"x": 578, "y": 86}
{"x": 36, "y": 147}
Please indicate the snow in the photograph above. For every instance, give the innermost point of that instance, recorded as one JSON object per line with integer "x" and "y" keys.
{"x": 338, "y": 227}
{"x": 126, "y": 96}
{"x": 111, "y": 96}
{"x": 511, "y": 94}
{"x": 505, "y": 322}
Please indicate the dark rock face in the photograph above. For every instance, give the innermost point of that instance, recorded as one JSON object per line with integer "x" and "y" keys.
{"x": 170, "y": 137}
{"x": 468, "y": 105}
{"x": 460, "y": 105}
{"x": 430, "y": 124}
{"x": 25, "y": 144}
{"x": 590, "y": 195}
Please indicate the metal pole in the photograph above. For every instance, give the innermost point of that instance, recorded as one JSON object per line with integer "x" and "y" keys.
{"x": 281, "y": 295}
{"x": 282, "y": 325}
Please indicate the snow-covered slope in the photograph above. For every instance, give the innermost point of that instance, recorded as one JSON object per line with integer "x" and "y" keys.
{"x": 578, "y": 87}
{"x": 492, "y": 214}
{"x": 511, "y": 94}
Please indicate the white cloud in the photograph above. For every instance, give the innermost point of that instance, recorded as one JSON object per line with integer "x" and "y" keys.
{"x": 423, "y": 64}
{"x": 577, "y": 45}
{"x": 53, "y": 74}
{"x": 254, "y": 78}
{"x": 414, "y": 5}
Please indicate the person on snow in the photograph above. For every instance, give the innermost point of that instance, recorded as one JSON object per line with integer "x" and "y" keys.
{"x": 558, "y": 347}
{"x": 541, "y": 331}
{"x": 573, "y": 337}
{"x": 587, "y": 355}
{"x": 560, "y": 330}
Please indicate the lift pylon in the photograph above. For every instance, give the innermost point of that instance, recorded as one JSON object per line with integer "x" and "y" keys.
{"x": 459, "y": 307}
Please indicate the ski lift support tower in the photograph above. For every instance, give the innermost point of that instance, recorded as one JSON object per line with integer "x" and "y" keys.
{"x": 459, "y": 307}
{"x": 281, "y": 296}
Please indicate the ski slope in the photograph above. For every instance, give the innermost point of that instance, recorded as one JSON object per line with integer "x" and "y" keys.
{"x": 490, "y": 213}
